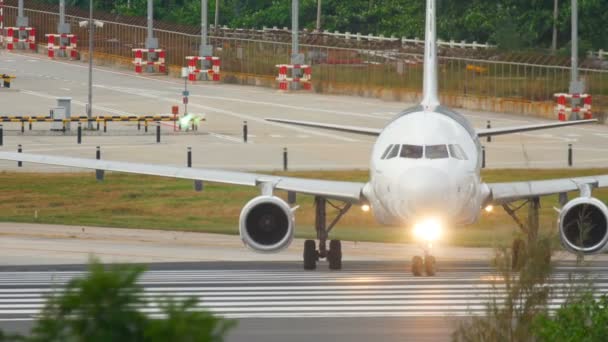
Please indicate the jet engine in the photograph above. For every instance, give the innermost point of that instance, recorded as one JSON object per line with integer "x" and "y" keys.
{"x": 583, "y": 225}
{"x": 267, "y": 224}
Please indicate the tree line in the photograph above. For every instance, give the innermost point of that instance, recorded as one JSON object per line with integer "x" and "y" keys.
{"x": 513, "y": 24}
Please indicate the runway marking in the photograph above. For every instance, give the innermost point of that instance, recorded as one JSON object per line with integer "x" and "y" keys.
{"x": 235, "y": 114}
{"x": 250, "y": 293}
{"x": 76, "y": 102}
{"x": 279, "y": 105}
{"x": 226, "y": 137}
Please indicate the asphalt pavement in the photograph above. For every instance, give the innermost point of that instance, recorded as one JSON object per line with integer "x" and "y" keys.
{"x": 278, "y": 301}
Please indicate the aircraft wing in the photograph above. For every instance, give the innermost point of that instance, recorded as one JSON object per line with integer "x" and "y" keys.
{"x": 519, "y": 129}
{"x": 513, "y": 191}
{"x": 344, "y": 191}
{"x": 340, "y": 128}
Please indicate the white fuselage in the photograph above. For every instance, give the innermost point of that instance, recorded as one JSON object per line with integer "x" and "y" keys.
{"x": 436, "y": 172}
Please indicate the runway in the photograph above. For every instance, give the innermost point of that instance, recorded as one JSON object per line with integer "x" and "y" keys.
{"x": 364, "y": 294}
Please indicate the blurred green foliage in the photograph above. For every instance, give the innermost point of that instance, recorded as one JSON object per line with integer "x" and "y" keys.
{"x": 529, "y": 22}
{"x": 106, "y": 305}
{"x": 583, "y": 319}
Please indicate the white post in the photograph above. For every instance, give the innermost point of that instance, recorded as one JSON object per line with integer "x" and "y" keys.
{"x": 576, "y": 86}
{"x": 205, "y": 49}
{"x": 555, "y": 15}
{"x": 319, "y": 5}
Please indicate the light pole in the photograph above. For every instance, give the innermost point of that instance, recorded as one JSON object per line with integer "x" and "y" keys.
{"x": 91, "y": 25}
{"x": 217, "y": 14}
{"x": 576, "y": 86}
{"x": 555, "y": 16}
{"x": 91, "y": 35}
{"x": 319, "y": 15}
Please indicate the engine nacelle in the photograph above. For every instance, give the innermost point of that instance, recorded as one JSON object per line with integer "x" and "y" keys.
{"x": 267, "y": 224}
{"x": 583, "y": 225}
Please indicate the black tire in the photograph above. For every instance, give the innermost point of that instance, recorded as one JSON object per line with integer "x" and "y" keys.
{"x": 518, "y": 252}
{"x": 310, "y": 255}
{"x": 430, "y": 265}
{"x": 334, "y": 256}
{"x": 417, "y": 266}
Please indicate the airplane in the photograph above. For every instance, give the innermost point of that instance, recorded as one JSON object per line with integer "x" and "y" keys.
{"x": 424, "y": 175}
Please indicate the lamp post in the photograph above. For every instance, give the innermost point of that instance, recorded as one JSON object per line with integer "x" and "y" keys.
{"x": 91, "y": 25}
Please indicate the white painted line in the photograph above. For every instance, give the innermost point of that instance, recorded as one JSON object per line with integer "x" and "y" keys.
{"x": 225, "y": 137}
{"x": 76, "y": 102}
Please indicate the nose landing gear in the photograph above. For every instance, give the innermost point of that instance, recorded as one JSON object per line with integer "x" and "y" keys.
{"x": 426, "y": 265}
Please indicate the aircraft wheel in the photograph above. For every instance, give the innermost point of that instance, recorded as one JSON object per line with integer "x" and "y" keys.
{"x": 417, "y": 266}
{"x": 518, "y": 254}
{"x": 310, "y": 255}
{"x": 429, "y": 265}
{"x": 334, "y": 256}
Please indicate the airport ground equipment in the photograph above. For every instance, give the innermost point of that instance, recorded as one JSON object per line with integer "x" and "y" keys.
{"x": 568, "y": 108}
{"x": 13, "y": 37}
{"x": 6, "y": 80}
{"x": 296, "y": 69}
{"x": 62, "y": 42}
{"x": 160, "y": 62}
{"x": 194, "y": 70}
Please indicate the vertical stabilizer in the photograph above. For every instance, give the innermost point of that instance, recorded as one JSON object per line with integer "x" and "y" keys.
{"x": 430, "y": 96}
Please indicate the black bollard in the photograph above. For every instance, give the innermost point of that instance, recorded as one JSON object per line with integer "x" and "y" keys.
{"x": 138, "y": 125}
{"x": 79, "y": 133}
{"x": 158, "y": 132}
{"x": 1, "y": 136}
{"x": 189, "y": 157}
{"x": 19, "y": 150}
{"x": 99, "y": 174}
{"x": 483, "y": 157}
{"x": 30, "y": 122}
{"x": 489, "y": 126}
{"x": 285, "y": 159}
{"x": 22, "y": 126}
{"x": 105, "y": 126}
{"x": 245, "y": 133}
{"x": 146, "y": 126}
{"x": 570, "y": 157}
{"x": 97, "y": 125}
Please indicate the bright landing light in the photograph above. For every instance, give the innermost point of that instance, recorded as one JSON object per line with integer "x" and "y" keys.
{"x": 365, "y": 208}
{"x": 428, "y": 229}
{"x": 489, "y": 209}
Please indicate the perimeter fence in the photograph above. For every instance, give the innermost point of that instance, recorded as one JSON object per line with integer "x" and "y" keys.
{"x": 358, "y": 68}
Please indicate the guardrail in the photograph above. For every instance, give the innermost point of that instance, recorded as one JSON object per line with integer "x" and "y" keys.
{"x": 359, "y": 37}
{"x": 601, "y": 54}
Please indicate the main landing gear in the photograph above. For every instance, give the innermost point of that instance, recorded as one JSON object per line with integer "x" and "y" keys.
{"x": 519, "y": 249}
{"x": 334, "y": 253}
{"x": 424, "y": 265}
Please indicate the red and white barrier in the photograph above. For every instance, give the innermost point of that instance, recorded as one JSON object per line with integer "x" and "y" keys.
{"x": 12, "y": 37}
{"x": 284, "y": 79}
{"x": 194, "y": 70}
{"x": 54, "y": 43}
{"x": 139, "y": 60}
{"x": 1, "y": 23}
{"x": 563, "y": 108}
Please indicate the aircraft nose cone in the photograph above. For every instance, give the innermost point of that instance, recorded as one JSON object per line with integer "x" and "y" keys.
{"x": 426, "y": 191}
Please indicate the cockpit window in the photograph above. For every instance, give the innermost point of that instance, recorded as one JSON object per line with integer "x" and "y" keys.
{"x": 437, "y": 152}
{"x": 394, "y": 152}
{"x": 388, "y": 149}
{"x": 411, "y": 151}
{"x": 457, "y": 152}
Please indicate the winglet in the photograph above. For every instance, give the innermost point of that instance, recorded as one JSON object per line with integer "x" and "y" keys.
{"x": 430, "y": 95}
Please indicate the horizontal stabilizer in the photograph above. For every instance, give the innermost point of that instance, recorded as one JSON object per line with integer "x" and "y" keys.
{"x": 339, "y": 128}
{"x": 519, "y": 129}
